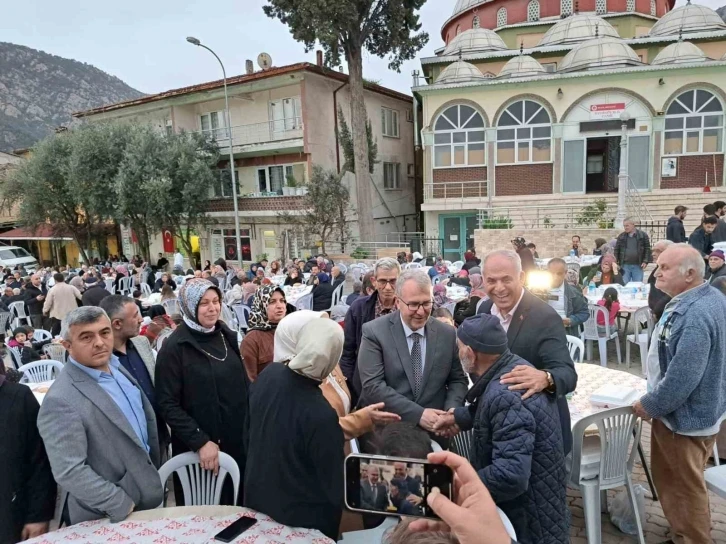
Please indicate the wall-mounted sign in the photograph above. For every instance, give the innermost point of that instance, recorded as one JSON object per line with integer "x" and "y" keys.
{"x": 669, "y": 167}
{"x": 599, "y": 112}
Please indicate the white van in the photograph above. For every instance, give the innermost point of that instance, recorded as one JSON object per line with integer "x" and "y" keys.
{"x": 11, "y": 256}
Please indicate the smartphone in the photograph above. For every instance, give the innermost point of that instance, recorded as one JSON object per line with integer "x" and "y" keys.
{"x": 233, "y": 531}
{"x": 393, "y": 486}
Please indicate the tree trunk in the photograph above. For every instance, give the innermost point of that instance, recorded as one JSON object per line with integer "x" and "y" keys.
{"x": 360, "y": 145}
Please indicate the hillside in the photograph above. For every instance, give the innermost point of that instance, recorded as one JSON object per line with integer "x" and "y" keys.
{"x": 38, "y": 92}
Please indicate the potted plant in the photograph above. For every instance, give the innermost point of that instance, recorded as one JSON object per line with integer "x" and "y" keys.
{"x": 301, "y": 190}
{"x": 290, "y": 186}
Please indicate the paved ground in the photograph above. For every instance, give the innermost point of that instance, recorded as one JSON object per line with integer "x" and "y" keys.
{"x": 656, "y": 526}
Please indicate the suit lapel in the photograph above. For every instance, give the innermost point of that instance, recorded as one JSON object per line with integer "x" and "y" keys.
{"x": 95, "y": 393}
{"x": 399, "y": 339}
{"x": 518, "y": 319}
{"x": 431, "y": 337}
{"x": 142, "y": 347}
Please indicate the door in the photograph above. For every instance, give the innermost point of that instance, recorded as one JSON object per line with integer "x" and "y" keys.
{"x": 639, "y": 161}
{"x": 458, "y": 234}
{"x": 277, "y": 114}
{"x": 573, "y": 167}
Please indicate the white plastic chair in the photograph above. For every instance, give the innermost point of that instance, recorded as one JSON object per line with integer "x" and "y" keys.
{"x": 242, "y": 311}
{"x": 456, "y": 267}
{"x": 441, "y": 277}
{"x": 56, "y": 352}
{"x": 17, "y": 309}
{"x": 5, "y": 318}
{"x": 640, "y": 336}
{"x": 305, "y": 302}
{"x": 15, "y": 356}
{"x": 228, "y": 316}
{"x": 576, "y": 347}
{"x": 41, "y": 371}
{"x": 590, "y": 334}
{"x": 607, "y": 463}
{"x": 41, "y": 335}
{"x": 481, "y": 301}
{"x": 109, "y": 285}
{"x": 201, "y": 487}
{"x": 462, "y": 444}
{"x": 171, "y": 305}
{"x": 145, "y": 289}
{"x": 413, "y": 266}
{"x": 166, "y": 333}
{"x": 335, "y": 299}
{"x": 716, "y": 479}
{"x": 126, "y": 286}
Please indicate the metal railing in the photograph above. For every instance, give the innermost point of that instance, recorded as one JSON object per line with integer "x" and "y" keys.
{"x": 456, "y": 190}
{"x": 255, "y": 133}
{"x": 589, "y": 217}
{"x": 635, "y": 205}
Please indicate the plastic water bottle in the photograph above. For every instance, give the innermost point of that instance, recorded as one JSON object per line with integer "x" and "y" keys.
{"x": 573, "y": 253}
{"x": 591, "y": 288}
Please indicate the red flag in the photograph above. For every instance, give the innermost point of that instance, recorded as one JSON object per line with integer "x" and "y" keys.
{"x": 168, "y": 241}
{"x": 134, "y": 239}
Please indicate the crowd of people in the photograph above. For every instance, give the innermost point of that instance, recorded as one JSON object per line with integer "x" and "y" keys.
{"x": 397, "y": 376}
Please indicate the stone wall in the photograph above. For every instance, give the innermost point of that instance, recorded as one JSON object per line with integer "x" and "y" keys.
{"x": 549, "y": 242}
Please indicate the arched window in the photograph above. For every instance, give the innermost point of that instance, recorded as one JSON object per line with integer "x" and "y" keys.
{"x": 601, "y": 7}
{"x": 524, "y": 134}
{"x": 459, "y": 137}
{"x": 502, "y": 17}
{"x": 630, "y": 5}
{"x": 476, "y": 23}
{"x": 458, "y": 29}
{"x": 694, "y": 124}
{"x": 653, "y": 8}
{"x": 533, "y": 10}
{"x": 565, "y": 8}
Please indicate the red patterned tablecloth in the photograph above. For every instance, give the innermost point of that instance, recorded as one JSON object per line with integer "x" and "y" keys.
{"x": 590, "y": 377}
{"x": 194, "y": 529}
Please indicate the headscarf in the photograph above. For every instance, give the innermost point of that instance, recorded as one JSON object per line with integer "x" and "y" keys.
{"x": 468, "y": 256}
{"x": 323, "y": 277}
{"x": 123, "y": 270}
{"x": 572, "y": 277}
{"x": 248, "y": 289}
{"x": 189, "y": 296}
{"x": 78, "y": 283}
{"x": 477, "y": 286}
{"x": 258, "y": 317}
{"x": 309, "y": 345}
{"x": 440, "y": 266}
{"x": 474, "y": 270}
{"x": 440, "y": 297}
{"x": 463, "y": 274}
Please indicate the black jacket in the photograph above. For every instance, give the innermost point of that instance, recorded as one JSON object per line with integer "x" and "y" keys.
{"x": 360, "y": 312}
{"x": 159, "y": 284}
{"x": 701, "y": 241}
{"x": 35, "y": 306}
{"x": 527, "y": 259}
{"x": 202, "y": 399}
{"x": 537, "y": 335}
{"x": 621, "y": 245}
{"x": 322, "y": 297}
{"x": 94, "y": 294}
{"x": 675, "y": 232}
{"x": 657, "y": 299}
{"x": 27, "y": 487}
{"x": 295, "y": 469}
{"x": 468, "y": 265}
{"x": 465, "y": 309}
{"x": 720, "y": 273}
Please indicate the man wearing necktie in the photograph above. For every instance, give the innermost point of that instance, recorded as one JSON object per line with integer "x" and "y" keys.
{"x": 409, "y": 361}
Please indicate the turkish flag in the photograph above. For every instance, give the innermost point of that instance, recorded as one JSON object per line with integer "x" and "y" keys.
{"x": 168, "y": 241}
{"x": 134, "y": 239}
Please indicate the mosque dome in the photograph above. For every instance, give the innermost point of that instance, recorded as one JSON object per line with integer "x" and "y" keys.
{"x": 688, "y": 18}
{"x": 680, "y": 53}
{"x": 474, "y": 40}
{"x": 599, "y": 53}
{"x": 578, "y": 28}
{"x": 522, "y": 66}
{"x": 464, "y": 5}
{"x": 460, "y": 72}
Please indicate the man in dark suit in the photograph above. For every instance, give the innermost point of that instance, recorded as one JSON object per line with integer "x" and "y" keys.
{"x": 535, "y": 333}
{"x": 373, "y": 494}
{"x": 411, "y": 362}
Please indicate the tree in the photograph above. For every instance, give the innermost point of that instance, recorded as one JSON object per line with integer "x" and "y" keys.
{"x": 325, "y": 208}
{"x": 344, "y": 28}
{"x": 346, "y": 142}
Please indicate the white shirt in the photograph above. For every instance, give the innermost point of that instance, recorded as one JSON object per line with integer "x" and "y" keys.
{"x": 559, "y": 303}
{"x": 178, "y": 260}
{"x": 506, "y": 320}
{"x": 422, "y": 342}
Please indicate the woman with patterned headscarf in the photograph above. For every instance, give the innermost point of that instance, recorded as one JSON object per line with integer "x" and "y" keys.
{"x": 201, "y": 385}
{"x": 268, "y": 309}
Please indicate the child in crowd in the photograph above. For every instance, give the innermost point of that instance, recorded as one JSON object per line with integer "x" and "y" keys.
{"x": 610, "y": 302}
{"x": 20, "y": 340}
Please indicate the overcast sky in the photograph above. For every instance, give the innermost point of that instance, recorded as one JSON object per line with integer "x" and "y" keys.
{"x": 143, "y": 42}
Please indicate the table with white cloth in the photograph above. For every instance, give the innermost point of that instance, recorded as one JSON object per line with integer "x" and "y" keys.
{"x": 583, "y": 261}
{"x": 183, "y": 525}
{"x": 295, "y": 292}
{"x": 39, "y": 389}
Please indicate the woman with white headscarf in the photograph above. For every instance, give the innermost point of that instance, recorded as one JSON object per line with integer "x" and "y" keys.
{"x": 295, "y": 462}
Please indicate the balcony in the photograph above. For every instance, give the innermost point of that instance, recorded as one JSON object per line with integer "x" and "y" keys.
{"x": 262, "y": 138}
{"x": 454, "y": 195}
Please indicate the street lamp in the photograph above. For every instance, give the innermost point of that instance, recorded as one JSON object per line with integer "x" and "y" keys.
{"x": 623, "y": 173}
{"x": 194, "y": 41}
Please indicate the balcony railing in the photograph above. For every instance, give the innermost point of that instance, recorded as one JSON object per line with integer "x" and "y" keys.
{"x": 579, "y": 217}
{"x": 258, "y": 133}
{"x": 455, "y": 190}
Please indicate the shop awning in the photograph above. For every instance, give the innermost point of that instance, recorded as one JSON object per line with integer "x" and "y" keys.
{"x": 43, "y": 232}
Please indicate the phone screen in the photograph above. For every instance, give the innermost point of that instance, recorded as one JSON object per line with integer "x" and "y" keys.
{"x": 231, "y": 532}
{"x": 393, "y": 486}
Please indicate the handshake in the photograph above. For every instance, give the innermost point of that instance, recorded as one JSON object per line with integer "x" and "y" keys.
{"x": 439, "y": 422}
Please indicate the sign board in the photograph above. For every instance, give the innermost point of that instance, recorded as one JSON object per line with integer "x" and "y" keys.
{"x": 599, "y": 112}
{"x": 126, "y": 241}
{"x": 669, "y": 167}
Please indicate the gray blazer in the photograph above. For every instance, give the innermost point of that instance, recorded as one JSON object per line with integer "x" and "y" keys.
{"x": 386, "y": 373}
{"x": 96, "y": 457}
{"x": 143, "y": 348}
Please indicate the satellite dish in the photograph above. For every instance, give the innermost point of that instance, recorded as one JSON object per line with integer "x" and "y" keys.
{"x": 264, "y": 61}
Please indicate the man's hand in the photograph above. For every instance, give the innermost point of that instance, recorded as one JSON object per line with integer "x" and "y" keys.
{"x": 446, "y": 425}
{"x": 526, "y": 377}
{"x": 378, "y": 417}
{"x": 40, "y": 298}
{"x": 429, "y": 418}
{"x": 640, "y": 411}
{"x": 31, "y": 530}
{"x": 209, "y": 457}
{"x": 566, "y": 321}
{"x": 414, "y": 499}
{"x": 643, "y": 265}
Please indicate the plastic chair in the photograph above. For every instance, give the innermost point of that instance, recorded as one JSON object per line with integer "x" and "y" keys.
{"x": 109, "y": 286}
{"x": 343, "y": 269}
{"x": 166, "y": 333}
{"x": 56, "y": 352}
{"x": 41, "y": 371}
{"x": 716, "y": 456}
{"x": 305, "y": 302}
{"x": 15, "y": 356}
{"x": 171, "y": 305}
{"x": 228, "y": 316}
{"x": 17, "y": 309}
{"x": 441, "y": 277}
{"x": 576, "y": 347}
{"x": 242, "y": 312}
{"x": 5, "y": 318}
{"x": 126, "y": 286}
{"x": 145, "y": 289}
{"x": 597, "y": 467}
{"x": 41, "y": 335}
{"x": 716, "y": 480}
{"x": 481, "y": 301}
{"x": 201, "y": 487}
{"x": 462, "y": 444}
{"x": 640, "y": 336}
{"x": 413, "y": 266}
{"x": 590, "y": 334}
{"x": 335, "y": 299}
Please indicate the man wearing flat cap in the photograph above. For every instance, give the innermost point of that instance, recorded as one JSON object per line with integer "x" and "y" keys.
{"x": 517, "y": 447}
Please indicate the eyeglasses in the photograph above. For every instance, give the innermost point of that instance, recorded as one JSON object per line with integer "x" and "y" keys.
{"x": 382, "y": 283}
{"x": 414, "y": 306}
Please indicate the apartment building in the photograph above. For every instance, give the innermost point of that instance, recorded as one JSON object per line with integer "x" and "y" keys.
{"x": 283, "y": 122}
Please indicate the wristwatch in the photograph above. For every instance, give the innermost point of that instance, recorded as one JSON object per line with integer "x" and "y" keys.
{"x": 550, "y": 383}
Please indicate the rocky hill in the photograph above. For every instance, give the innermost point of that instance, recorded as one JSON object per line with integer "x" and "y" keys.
{"x": 38, "y": 92}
